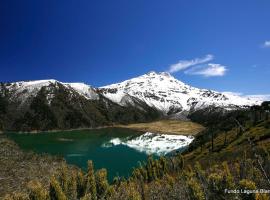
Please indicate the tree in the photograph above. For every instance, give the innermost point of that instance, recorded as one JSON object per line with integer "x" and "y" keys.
{"x": 255, "y": 114}
{"x": 151, "y": 169}
{"x": 212, "y": 138}
{"x": 228, "y": 178}
{"x": 80, "y": 184}
{"x": 266, "y": 107}
{"x": 63, "y": 178}
{"x": 195, "y": 189}
{"x": 215, "y": 183}
{"x": 36, "y": 191}
{"x": 102, "y": 184}
{"x": 226, "y": 125}
{"x": 181, "y": 163}
{"x": 86, "y": 197}
{"x": 91, "y": 181}
{"x": 16, "y": 196}
{"x": 72, "y": 186}
{"x": 163, "y": 163}
{"x": 55, "y": 191}
{"x": 247, "y": 185}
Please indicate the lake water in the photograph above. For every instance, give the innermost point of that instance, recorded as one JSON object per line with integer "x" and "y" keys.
{"x": 116, "y": 149}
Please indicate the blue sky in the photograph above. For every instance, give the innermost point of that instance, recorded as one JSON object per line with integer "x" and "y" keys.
{"x": 222, "y": 45}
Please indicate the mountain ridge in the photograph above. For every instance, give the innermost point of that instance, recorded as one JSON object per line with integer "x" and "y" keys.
{"x": 129, "y": 88}
{"x": 51, "y": 104}
{"x": 166, "y": 93}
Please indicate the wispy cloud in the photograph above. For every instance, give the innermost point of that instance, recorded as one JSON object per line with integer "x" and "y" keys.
{"x": 266, "y": 44}
{"x": 184, "y": 64}
{"x": 209, "y": 70}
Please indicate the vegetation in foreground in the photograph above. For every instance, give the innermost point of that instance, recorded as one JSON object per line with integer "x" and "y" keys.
{"x": 17, "y": 167}
{"x": 167, "y": 127}
{"x": 231, "y": 154}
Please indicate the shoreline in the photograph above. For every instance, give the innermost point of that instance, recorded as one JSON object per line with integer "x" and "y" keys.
{"x": 168, "y": 127}
{"x": 56, "y": 130}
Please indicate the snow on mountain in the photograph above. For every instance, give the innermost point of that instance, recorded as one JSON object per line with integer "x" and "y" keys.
{"x": 159, "y": 90}
{"x": 85, "y": 90}
{"x": 171, "y": 96}
{"x": 24, "y": 89}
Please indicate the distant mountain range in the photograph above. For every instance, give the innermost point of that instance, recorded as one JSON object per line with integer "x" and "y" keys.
{"x": 51, "y": 104}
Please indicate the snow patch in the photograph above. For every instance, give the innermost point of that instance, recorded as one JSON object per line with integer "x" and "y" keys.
{"x": 83, "y": 89}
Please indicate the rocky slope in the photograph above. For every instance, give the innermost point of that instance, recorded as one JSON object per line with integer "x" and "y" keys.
{"x": 171, "y": 96}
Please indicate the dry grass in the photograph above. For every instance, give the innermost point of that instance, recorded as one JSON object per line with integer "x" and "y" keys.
{"x": 167, "y": 127}
{"x": 18, "y": 167}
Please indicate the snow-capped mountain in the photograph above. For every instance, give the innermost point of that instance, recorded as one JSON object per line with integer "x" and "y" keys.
{"x": 169, "y": 95}
{"x": 51, "y": 104}
{"x": 158, "y": 90}
{"x": 24, "y": 89}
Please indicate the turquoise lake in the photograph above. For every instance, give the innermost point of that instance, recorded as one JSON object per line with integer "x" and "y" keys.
{"x": 79, "y": 146}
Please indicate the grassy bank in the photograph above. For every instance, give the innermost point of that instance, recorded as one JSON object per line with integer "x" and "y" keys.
{"x": 167, "y": 127}
{"x": 18, "y": 167}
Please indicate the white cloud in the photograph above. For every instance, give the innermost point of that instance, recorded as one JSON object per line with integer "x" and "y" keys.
{"x": 209, "y": 70}
{"x": 266, "y": 44}
{"x": 184, "y": 64}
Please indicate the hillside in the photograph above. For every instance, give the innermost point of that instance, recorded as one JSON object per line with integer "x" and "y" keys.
{"x": 228, "y": 160}
{"x": 19, "y": 167}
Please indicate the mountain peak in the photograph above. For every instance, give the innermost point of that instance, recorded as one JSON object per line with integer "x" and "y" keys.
{"x": 167, "y": 74}
{"x": 153, "y": 73}
{"x": 170, "y": 95}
